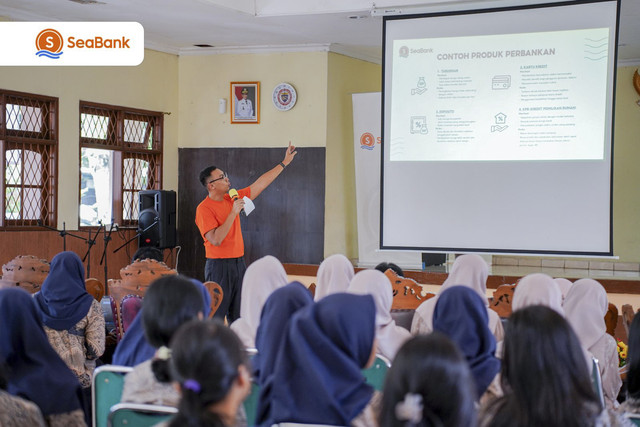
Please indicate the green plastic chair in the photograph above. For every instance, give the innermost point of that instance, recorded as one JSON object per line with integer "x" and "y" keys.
{"x": 139, "y": 415}
{"x": 106, "y": 391}
{"x": 596, "y": 379}
{"x": 376, "y": 374}
{"x": 634, "y": 418}
{"x": 251, "y": 402}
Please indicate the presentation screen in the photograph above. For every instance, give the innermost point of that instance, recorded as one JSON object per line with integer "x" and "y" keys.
{"x": 498, "y": 129}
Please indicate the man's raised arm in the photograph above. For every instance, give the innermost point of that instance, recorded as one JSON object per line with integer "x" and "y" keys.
{"x": 267, "y": 178}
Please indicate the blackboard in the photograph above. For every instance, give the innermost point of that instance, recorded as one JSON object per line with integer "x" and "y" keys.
{"x": 288, "y": 222}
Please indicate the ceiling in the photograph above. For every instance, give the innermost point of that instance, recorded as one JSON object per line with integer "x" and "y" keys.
{"x": 350, "y": 27}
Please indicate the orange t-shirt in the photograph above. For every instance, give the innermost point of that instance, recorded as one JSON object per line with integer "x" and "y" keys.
{"x": 211, "y": 214}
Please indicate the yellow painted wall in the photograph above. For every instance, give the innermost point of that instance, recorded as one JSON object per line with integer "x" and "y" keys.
{"x": 345, "y": 77}
{"x": 203, "y": 80}
{"x": 151, "y": 86}
{"x": 322, "y": 117}
{"x": 626, "y": 176}
{"x": 189, "y": 87}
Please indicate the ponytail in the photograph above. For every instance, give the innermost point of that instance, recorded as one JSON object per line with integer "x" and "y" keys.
{"x": 160, "y": 365}
{"x": 206, "y": 359}
{"x": 192, "y": 412}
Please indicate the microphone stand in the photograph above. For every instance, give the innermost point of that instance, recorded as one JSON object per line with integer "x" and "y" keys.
{"x": 107, "y": 239}
{"x": 63, "y": 233}
{"x": 155, "y": 222}
{"x": 91, "y": 242}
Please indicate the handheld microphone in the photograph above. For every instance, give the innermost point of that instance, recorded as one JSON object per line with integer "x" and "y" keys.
{"x": 233, "y": 193}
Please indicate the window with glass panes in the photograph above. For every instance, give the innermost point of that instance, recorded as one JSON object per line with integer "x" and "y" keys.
{"x": 29, "y": 146}
{"x": 120, "y": 154}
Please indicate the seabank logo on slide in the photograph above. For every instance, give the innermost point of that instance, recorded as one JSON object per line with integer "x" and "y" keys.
{"x": 49, "y": 43}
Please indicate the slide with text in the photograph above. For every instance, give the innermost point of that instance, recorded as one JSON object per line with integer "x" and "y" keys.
{"x": 529, "y": 96}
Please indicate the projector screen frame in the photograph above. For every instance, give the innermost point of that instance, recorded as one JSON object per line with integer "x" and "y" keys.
{"x": 611, "y": 97}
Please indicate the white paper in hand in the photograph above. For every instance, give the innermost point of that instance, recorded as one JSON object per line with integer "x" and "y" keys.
{"x": 248, "y": 205}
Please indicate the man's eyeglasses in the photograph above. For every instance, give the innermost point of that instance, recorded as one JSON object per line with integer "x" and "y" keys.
{"x": 224, "y": 175}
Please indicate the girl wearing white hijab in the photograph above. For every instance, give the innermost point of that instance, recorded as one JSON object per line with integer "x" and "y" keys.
{"x": 389, "y": 335}
{"x": 468, "y": 270}
{"x": 537, "y": 289}
{"x": 585, "y": 306}
{"x": 564, "y": 285}
{"x": 262, "y": 277}
{"x": 334, "y": 275}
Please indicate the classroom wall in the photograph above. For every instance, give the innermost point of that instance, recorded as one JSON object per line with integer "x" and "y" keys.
{"x": 346, "y": 76}
{"x": 151, "y": 86}
{"x": 626, "y": 176}
{"x": 189, "y": 87}
{"x": 203, "y": 80}
{"x": 321, "y": 117}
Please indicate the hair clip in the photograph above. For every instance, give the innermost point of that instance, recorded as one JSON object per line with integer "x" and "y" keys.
{"x": 192, "y": 385}
{"x": 410, "y": 409}
{"x": 163, "y": 353}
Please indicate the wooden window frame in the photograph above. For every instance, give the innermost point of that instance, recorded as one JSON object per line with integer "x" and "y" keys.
{"x": 115, "y": 142}
{"x": 45, "y": 142}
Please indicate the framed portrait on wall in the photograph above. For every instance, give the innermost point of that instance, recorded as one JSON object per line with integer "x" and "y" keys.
{"x": 245, "y": 102}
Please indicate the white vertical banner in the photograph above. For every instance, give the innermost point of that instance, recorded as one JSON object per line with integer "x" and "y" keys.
{"x": 367, "y": 149}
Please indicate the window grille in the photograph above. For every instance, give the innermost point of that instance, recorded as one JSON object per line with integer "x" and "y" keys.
{"x": 28, "y": 144}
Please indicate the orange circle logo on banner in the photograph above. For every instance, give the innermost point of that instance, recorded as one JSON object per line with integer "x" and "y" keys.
{"x": 49, "y": 40}
{"x": 367, "y": 141}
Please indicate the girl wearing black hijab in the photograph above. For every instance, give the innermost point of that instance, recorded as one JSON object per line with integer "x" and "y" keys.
{"x": 72, "y": 319}
{"x": 35, "y": 371}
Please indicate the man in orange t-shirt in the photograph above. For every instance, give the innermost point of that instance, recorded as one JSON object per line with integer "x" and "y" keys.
{"x": 219, "y": 225}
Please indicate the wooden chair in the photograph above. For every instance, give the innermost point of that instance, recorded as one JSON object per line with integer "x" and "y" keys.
{"x": 95, "y": 288}
{"x": 403, "y": 317}
{"x": 136, "y": 278}
{"x": 611, "y": 319}
{"x": 312, "y": 290}
{"x": 141, "y": 273}
{"x": 25, "y": 271}
{"x": 627, "y": 316}
{"x": 407, "y": 293}
{"x": 129, "y": 308}
{"x": 117, "y": 293}
{"x": 216, "y": 293}
{"x": 502, "y": 299}
{"x": 139, "y": 414}
{"x": 106, "y": 391}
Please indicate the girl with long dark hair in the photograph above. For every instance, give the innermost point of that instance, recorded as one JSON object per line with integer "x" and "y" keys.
{"x": 210, "y": 365}
{"x": 428, "y": 385}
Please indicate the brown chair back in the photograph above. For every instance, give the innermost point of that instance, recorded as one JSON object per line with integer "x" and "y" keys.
{"x": 502, "y": 299}
{"x": 627, "y": 316}
{"x": 312, "y": 290}
{"x": 215, "y": 291}
{"x": 611, "y": 319}
{"x": 407, "y": 293}
{"x": 141, "y": 273}
{"x": 95, "y": 288}
{"x": 25, "y": 271}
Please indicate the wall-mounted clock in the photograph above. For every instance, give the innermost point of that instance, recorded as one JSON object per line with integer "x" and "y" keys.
{"x": 284, "y": 97}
